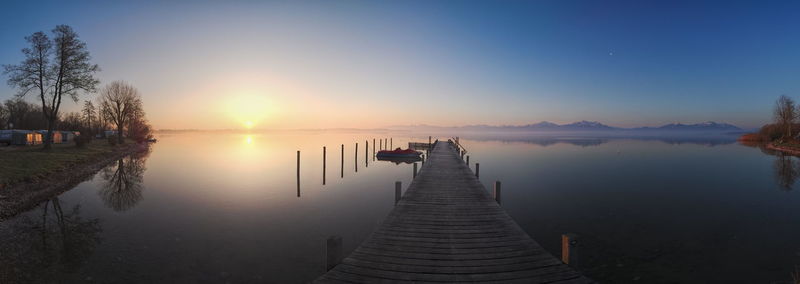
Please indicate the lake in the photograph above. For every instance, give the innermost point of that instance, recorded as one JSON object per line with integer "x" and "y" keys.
{"x": 216, "y": 207}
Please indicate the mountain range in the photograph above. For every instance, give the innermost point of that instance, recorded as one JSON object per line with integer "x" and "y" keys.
{"x": 588, "y": 126}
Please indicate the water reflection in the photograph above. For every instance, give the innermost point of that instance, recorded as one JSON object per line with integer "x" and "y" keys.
{"x": 787, "y": 170}
{"x": 786, "y": 167}
{"x": 123, "y": 187}
{"x": 37, "y": 249}
{"x": 398, "y": 161}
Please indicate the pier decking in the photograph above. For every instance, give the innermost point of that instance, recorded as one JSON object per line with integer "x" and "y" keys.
{"x": 447, "y": 228}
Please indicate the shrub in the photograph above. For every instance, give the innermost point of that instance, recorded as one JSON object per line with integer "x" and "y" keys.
{"x": 770, "y": 132}
{"x": 82, "y": 140}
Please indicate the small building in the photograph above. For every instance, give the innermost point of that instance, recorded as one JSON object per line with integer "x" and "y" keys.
{"x": 20, "y": 137}
{"x": 109, "y": 133}
{"x": 57, "y": 139}
{"x": 67, "y": 136}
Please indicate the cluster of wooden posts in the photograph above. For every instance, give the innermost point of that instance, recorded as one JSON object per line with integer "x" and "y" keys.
{"x": 382, "y": 144}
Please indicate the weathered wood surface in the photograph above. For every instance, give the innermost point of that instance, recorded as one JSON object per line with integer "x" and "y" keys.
{"x": 447, "y": 228}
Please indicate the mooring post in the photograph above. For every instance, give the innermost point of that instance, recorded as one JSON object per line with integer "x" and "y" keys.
{"x": 397, "y": 191}
{"x": 569, "y": 249}
{"x": 355, "y": 164}
{"x": 366, "y": 153}
{"x": 333, "y": 252}
{"x": 478, "y": 170}
{"x": 324, "y": 163}
{"x": 342, "y": 160}
{"x": 496, "y": 191}
{"x": 391, "y": 143}
{"x": 373, "y": 149}
{"x": 468, "y": 161}
{"x": 415, "y": 170}
{"x": 298, "y": 173}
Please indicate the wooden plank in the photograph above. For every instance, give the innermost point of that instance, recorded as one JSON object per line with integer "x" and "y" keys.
{"x": 448, "y": 228}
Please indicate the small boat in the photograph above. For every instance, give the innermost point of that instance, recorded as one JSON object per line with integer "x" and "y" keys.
{"x": 398, "y": 153}
{"x": 152, "y": 140}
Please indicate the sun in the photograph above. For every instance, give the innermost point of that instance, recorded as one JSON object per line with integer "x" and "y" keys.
{"x": 248, "y": 110}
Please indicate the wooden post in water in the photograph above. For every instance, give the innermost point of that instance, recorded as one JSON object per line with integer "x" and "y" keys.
{"x": 366, "y": 153}
{"x": 569, "y": 249}
{"x": 324, "y": 163}
{"x": 333, "y": 252}
{"x": 342, "y": 161}
{"x": 298, "y": 173}
{"x": 391, "y": 143}
{"x": 478, "y": 170}
{"x": 373, "y": 149}
{"x": 496, "y": 192}
{"x": 415, "y": 170}
{"x": 398, "y": 187}
{"x": 356, "y": 158}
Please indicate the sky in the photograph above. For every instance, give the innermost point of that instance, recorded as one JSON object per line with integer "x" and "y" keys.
{"x": 370, "y": 64}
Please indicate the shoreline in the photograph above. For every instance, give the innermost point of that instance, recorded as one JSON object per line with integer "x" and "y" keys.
{"x": 22, "y": 196}
{"x": 784, "y": 149}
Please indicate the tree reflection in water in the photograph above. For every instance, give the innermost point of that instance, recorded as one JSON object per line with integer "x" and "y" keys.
{"x": 123, "y": 187}
{"x": 787, "y": 170}
{"x": 39, "y": 250}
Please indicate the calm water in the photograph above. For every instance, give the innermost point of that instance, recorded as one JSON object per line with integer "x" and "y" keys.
{"x": 225, "y": 207}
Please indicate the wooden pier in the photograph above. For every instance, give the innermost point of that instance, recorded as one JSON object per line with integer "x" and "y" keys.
{"x": 447, "y": 228}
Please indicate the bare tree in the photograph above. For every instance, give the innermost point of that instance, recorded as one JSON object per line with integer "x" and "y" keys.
{"x": 72, "y": 71}
{"x": 33, "y": 74}
{"x": 69, "y": 73}
{"x": 3, "y": 117}
{"x": 89, "y": 114}
{"x": 785, "y": 114}
{"x": 119, "y": 104}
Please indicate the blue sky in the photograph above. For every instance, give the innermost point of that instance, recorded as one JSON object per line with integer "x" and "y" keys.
{"x": 339, "y": 63}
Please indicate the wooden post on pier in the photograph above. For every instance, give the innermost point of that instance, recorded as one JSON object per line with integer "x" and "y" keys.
{"x": 496, "y": 191}
{"x": 467, "y": 160}
{"x": 298, "y": 173}
{"x": 342, "y": 160}
{"x": 333, "y": 252}
{"x": 478, "y": 170}
{"x": 415, "y": 170}
{"x": 569, "y": 249}
{"x": 398, "y": 191}
{"x": 324, "y": 163}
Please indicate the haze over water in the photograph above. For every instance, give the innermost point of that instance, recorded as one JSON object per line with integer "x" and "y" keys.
{"x": 217, "y": 207}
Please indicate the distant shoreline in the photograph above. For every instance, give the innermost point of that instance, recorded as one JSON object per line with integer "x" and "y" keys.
{"x": 22, "y": 196}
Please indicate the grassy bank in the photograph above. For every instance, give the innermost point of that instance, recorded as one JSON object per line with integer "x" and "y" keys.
{"x": 29, "y": 176}
{"x": 30, "y": 163}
